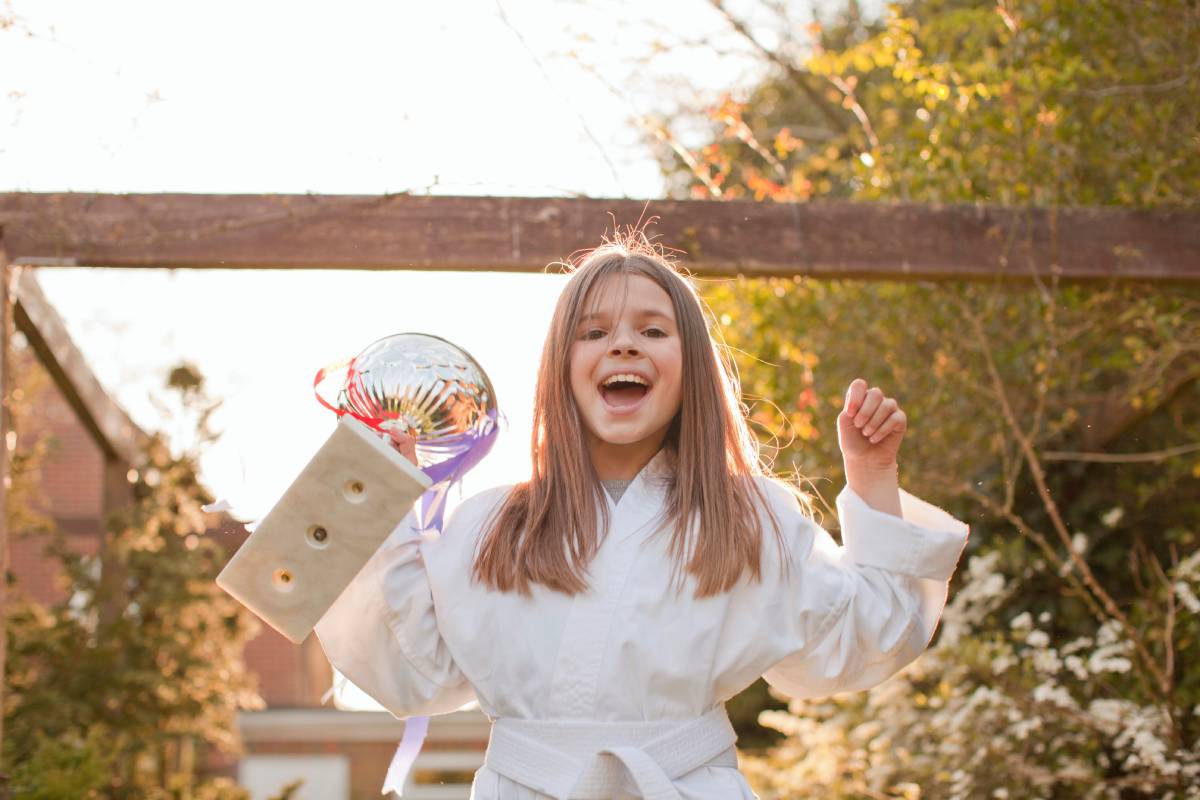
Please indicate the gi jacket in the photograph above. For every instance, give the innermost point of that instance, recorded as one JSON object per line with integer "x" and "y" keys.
{"x": 415, "y": 634}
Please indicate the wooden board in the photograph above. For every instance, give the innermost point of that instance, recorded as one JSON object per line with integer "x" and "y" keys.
{"x": 111, "y": 428}
{"x": 827, "y": 238}
{"x": 329, "y": 522}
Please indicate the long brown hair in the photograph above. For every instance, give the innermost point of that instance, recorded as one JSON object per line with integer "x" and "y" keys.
{"x": 547, "y": 531}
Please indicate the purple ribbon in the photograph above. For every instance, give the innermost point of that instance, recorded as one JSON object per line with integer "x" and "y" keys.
{"x": 468, "y": 449}
{"x": 465, "y": 450}
{"x": 415, "y": 729}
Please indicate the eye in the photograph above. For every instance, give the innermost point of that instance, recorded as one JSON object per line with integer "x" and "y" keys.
{"x": 657, "y": 333}
{"x": 594, "y": 333}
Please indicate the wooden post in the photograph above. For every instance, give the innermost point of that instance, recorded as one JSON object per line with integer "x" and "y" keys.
{"x": 5, "y": 364}
{"x": 118, "y": 496}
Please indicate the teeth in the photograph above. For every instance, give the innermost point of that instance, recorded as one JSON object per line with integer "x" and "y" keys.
{"x": 626, "y": 378}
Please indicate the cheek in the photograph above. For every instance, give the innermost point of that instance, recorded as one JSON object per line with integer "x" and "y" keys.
{"x": 673, "y": 372}
{"x": 579, "y": 374}
{"x": 676, "y": 397}
{"x": 578, "y": 395}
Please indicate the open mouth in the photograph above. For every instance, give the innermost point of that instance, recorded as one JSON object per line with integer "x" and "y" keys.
{"x": 624, "y": 391}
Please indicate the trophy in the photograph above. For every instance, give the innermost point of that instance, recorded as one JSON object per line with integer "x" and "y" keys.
{"x": 356, "y": 488}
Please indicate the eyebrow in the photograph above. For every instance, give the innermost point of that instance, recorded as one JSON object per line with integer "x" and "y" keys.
{"x": 643, "y": 313}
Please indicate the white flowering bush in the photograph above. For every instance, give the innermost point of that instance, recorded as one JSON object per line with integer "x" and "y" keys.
{"x": 1003, "y": 710}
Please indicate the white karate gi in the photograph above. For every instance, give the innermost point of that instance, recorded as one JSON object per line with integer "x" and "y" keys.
{"x": 557, "y": 675}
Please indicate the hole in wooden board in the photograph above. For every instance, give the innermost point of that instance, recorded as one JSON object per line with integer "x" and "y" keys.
{"x": 283, "y": 580}
{"x": 318, "y": 536}
{"x": 354, "y": 490}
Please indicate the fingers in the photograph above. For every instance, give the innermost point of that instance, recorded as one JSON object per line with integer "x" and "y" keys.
{"x": 884, "y": 409}
{"x": 862, "y": 402}
{"x": 895, "y": 421}
{"x": 875, "y": 414}
{"x": 404, "y": 443}
{"x": 854, "y": 395}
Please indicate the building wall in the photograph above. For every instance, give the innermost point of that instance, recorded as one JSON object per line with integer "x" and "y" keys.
{"x": 70, "y": 482}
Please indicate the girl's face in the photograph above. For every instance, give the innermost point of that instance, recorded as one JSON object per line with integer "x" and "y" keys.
{"x": 626, "y": 371}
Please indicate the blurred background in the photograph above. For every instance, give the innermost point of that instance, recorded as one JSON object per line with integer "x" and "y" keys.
{"x": 1059, "y": 418}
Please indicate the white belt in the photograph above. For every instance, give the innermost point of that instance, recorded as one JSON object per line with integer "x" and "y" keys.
{"x": 585, "y": 760}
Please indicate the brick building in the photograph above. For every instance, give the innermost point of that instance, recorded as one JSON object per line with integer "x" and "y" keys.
{"x": 342, "y": 755}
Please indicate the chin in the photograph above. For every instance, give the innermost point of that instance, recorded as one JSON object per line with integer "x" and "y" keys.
{"x": 620, "y": 439}
{"x": 625, "y": 436}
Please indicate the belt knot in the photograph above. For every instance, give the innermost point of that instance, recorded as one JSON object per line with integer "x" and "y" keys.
{"x": 589, "y": 760}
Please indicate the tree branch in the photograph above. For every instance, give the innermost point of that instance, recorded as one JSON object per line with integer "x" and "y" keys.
{"x": 1115, "y": 414}
{"x": 1144, "y": 88}
{"x": 1159, "y": 683}
{"x": 797, "y": 76}
{"x": 1121, "y": 458}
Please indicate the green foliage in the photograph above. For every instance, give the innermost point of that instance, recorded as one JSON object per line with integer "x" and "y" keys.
{"x": 64, "y": 767}
{"x": 1085, "y": 102}
{"x": 1059, "y": 421}
{"x": 146, "y": 648}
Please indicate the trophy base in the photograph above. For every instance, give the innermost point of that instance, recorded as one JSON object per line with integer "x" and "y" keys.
{"x": 328, "y": 524}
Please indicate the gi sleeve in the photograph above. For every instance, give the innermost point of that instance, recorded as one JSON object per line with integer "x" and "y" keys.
{"x": 382, "y": 634}
{"x": 894, "y": 574}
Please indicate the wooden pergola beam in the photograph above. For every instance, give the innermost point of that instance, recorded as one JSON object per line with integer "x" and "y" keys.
{"x": 823, "y": 239}
{"x": 112, "y": 429}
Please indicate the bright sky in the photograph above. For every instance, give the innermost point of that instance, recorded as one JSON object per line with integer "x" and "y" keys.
{"x": 458, "y": 97}
{"x": 466, "y": 97}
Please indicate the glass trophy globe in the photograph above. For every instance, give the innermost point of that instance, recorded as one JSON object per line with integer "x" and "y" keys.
{"x": 424, "y": 386}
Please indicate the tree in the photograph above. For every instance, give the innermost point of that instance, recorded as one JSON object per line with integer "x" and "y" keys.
{"x": 1060, "y": 421}
{"x": 1044, "y": 102}
{"x": 116, "y": 688}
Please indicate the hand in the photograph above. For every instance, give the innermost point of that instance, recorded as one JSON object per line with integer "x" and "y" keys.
{"x": 870, "y": 427}
{"x": 407, "y": 445}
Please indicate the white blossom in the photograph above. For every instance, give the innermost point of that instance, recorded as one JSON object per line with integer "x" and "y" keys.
{"x": 983, "y": 565}
{"x": 1002, "y": 662}
{"x": 1109, "y": 715}
{"x": 1109, "y": 632}
{"x": 1077, "y": 668}
{"x": 1189, "y": 568}
{"x": 1109, "y": 656}
{"x": 1024, "y": 727}
{"x": 1052, "y": 693}
{"x": 1099, "y": 663}
{"x": 991, "y": 586}
{"x": 1076, "y": 644}
{"x": 1142, "y": 737}
{"x": 1047, "y": 661}
{"x": 1187, "y": 597}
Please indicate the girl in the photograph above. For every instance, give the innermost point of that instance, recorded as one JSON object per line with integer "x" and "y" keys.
{"x": 603, "y": 611}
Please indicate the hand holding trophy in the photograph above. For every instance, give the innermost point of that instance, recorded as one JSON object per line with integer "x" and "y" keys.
{"x": 415, "y": 413}
{"x": 407, "y": 445}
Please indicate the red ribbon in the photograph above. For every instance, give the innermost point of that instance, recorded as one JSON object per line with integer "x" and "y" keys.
{"x": 351, "y": 389}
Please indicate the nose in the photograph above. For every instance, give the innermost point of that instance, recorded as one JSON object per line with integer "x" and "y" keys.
{"x": 622, "y": 344}
{"x": 619, "y": 350}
